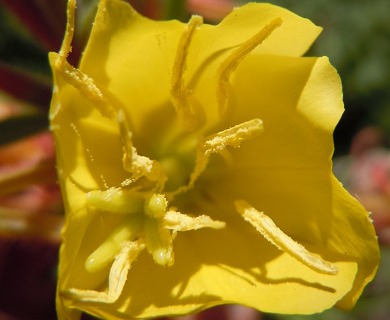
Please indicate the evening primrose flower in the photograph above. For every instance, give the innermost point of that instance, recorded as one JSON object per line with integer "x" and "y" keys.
{"x": 195, "y": 165}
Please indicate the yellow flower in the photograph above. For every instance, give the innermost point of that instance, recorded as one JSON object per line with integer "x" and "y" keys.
{"x": 195, "y": 164}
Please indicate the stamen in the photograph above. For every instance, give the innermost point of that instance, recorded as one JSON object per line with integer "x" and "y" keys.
{"x": 177, "y": 221}
{"x": 282, "y": 241}
{"x": 138, "y": 166}
{"x": 218, "y": 142}
{"x": 66, "y": 46}
{"x": 230, "y": 64}
{"x": 116, "y": 200}
{"x": 132, "y": 162}
{"x": 179, "y": 92}
{"x": 233, "y": 136}
{"x": 104, "y": 254}
{"x": 84, "y": 84}
{"x": 117, "y": 278}
{"x": 127, "y": 140}
{"x": 121, "y": 266}
{"x": 142, "y": 166}
{"x": 74, "y": 76}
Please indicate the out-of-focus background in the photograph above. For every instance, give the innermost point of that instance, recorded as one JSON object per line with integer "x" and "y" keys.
{"x": 356, "y": 38}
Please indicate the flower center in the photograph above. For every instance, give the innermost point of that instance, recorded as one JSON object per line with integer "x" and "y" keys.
{"x": 177, "y": 172}
{"x": 143, "y": 199}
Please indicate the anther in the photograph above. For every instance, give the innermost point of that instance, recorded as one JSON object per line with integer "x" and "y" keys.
{"x": 179, "y": 91}
{"x": 267, "y": 227}
{"x": 230, "y": 64}
{"x": 217, "y": 143}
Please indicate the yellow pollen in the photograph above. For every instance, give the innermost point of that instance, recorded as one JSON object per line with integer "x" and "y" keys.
{"x": 232, "y": 136}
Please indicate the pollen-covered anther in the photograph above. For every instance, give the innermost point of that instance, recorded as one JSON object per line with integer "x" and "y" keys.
{"x": 179, "y": 92}
{"x": 139, "y": 166}
{"x": 177, "y": 221}
{"x": 232, "y": 136}
{"x": 230, "y": 64}
{"x": 217, "y": 143}
{"x": 66, "y": 46}
{"x": 267, "y": 227}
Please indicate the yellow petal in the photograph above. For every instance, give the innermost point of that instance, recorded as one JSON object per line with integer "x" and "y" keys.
{"x": 238, "y": 267}
{"x": 300, "y": 104}
{"x": 84, "y": 137}
{"x": 292, "y": 38}
{"x": 287, "y": 170}
{"x": 126, "y": 45}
